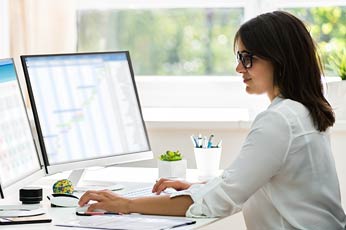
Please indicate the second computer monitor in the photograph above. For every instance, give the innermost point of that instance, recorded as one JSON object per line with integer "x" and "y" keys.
{"x": 19, "y": 161}
{"x": 86, "y": 109}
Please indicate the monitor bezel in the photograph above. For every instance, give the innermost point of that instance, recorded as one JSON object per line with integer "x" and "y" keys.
{"x": 8, "y": 189}
{"x": 1, "y": 193}
{"x": 82, "y": 164}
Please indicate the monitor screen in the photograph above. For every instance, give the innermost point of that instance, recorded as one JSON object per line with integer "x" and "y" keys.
{"x": 86, "y": 109}
{"x": 18, "y": 156}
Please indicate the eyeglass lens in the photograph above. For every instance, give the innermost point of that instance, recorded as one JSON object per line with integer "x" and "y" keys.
{"x": 245, "y": 58}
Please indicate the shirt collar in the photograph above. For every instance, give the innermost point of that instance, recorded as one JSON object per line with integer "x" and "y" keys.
{"x": 276, "y": 101}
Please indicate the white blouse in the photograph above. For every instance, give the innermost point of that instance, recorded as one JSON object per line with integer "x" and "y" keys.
{"x": 283, "y": 178}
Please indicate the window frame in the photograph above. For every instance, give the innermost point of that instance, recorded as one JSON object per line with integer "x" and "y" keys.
{"x": 4, "y": 29}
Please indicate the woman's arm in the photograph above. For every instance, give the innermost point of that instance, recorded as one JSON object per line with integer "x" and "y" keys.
{"x": 161, "y": 205}
{"x": 153, "y": 205}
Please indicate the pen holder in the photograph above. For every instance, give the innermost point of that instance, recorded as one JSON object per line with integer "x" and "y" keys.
{"x": 208, "y": 162}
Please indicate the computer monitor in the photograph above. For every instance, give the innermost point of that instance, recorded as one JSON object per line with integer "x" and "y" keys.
{"x": 86, "y": 109}
{"x": 19, "y": 161}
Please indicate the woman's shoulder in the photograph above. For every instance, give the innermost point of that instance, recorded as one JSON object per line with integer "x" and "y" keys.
{"x": 286, "y": 107}
{"x": 289, "y": 108}
{"x": 287, "y": 112}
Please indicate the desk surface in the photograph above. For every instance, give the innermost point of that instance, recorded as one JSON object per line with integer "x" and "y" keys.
{"x": 131, "y": 178}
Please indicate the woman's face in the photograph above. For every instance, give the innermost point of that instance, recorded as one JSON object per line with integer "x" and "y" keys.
{"x": 259, "y": 77}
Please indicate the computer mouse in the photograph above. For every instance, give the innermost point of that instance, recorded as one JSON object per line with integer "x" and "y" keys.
{"x": 63, "y": 200}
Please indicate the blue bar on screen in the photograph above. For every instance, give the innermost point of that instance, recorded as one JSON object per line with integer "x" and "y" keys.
{"x": 7, "y": 71}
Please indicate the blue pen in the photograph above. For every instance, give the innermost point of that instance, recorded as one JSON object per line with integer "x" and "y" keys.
{"x": 209, "y": 141}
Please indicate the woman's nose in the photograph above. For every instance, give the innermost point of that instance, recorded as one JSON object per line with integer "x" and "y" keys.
{"x": 240, "y": 68}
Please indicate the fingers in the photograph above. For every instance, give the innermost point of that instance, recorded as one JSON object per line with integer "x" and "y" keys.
{"x": 159, "y": 183}
{"x": 163, "y": 184}
{"x": 99, "y": 205}
{"x": 162, "y": 187}
{"x": 92, "y": 195}
{"x": 106, "y": 200}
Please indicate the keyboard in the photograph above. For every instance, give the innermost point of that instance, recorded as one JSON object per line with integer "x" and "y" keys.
{"x": 114, "y": 187}
{"x": 146, "y": 191}
{"x": 139, "y": 192}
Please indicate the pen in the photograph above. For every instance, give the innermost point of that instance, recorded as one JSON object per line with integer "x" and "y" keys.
{"x": 95, "y": 213}
{"x": 180, "y": 225}
{"x": 205, "y": 142}
{"x": 200, "y": 141}
{"x": 194, "y": 142}
{"x": 209, "y": 141}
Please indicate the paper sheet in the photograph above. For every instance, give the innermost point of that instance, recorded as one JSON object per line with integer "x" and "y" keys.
{"x": 128, "y": 222}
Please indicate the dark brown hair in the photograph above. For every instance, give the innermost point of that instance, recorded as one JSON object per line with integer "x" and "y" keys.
{"x": 283, "y": 39}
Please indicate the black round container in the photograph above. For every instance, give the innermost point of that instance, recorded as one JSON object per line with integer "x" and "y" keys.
{"x": 30, "y": 195}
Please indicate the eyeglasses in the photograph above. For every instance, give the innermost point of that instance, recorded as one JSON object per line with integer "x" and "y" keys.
{"x": 245, "y": 58}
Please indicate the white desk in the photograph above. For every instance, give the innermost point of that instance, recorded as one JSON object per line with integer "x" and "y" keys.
{"x": 130, "y": 177}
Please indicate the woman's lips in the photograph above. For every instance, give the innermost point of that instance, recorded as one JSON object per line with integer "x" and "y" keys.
{"x": 246, "y": 80}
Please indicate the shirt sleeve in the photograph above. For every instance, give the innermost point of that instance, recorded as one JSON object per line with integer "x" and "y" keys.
{"x": 260, "y": 158}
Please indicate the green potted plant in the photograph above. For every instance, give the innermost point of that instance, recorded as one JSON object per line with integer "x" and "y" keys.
{"x": 172, "y": 165}
{"x": 336, "y": 91}
{"x": 337, "y": 62}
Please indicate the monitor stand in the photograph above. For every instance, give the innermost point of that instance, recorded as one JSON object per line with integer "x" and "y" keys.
{"x": 76, "y": 177}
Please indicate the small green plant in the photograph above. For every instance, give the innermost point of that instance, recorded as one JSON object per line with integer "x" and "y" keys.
{"x": 171, "y": 156}
{"x": 337, "y": 62}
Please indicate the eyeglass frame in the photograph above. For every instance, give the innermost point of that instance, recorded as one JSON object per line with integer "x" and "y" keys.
{"x": 240, "y": 58}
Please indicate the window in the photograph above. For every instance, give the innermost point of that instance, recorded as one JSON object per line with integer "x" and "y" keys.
{"x": 176, "y": 38}
{"x": 194, "y": 38}
{"x": 176, "y": 41}
{"x": 327, "y": 26}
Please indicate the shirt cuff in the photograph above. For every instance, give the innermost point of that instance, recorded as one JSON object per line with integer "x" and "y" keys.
{"x": 197, "y": 192}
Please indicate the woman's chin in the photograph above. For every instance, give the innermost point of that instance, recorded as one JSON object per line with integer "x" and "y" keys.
{"x": 249, "y": 91}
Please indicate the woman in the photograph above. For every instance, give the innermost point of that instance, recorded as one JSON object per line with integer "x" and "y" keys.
{"x": 284, "y": 176}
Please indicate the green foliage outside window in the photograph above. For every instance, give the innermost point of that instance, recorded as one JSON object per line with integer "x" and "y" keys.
{"x": 165, "y": 41}
{"x": 337, "y": 62}
{"x": 328, "y": 27}
{"x": 194, "y": 41}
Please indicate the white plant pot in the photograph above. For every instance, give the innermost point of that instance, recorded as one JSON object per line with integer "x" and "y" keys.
{"x": 172, "y": 169}
{"x": 336, "y": 95}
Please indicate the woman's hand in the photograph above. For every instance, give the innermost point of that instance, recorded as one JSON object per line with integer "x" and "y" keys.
{"x": 106, "y": 200}
{"x": 163, "y": 183}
